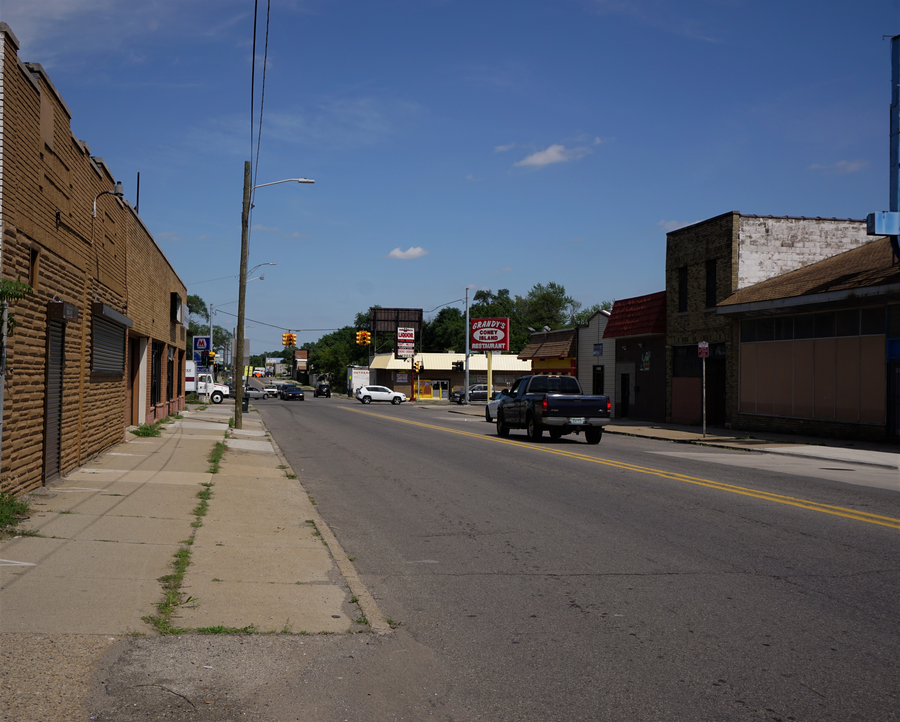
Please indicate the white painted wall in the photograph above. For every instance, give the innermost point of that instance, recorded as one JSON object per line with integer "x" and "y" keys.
{"x": 770, "y": 247}
{"x": 587, "y": 337}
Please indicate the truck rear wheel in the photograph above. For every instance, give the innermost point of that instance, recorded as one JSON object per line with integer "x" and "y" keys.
{"x": 533, "y": 429}
{"x": 593, "y": 436}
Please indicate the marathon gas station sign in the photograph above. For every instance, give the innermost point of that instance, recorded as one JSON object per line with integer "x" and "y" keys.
{"x": 489, "y": 334}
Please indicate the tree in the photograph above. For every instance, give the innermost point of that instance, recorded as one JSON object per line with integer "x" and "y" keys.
{"x": 583, "y": 317}
{"x": 548, "y": 306}
{"x": 445, "y": 332}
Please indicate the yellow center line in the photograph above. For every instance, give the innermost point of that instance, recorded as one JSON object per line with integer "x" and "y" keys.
{"x": 887, "y": 521}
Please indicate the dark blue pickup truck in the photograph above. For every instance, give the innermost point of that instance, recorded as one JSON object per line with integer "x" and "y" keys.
{"x": 555, "y": 403}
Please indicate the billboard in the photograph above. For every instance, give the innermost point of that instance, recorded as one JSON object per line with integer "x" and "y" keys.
{"x": 489, "y": 334}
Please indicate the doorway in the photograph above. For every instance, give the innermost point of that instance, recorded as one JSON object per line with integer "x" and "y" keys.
{"x": 53, "y": 416}
{"x": 440, "y": 389}
{"x": 894, "y": 398}
{"x": 625, "y": 396}
{"x": 597, "y": 389}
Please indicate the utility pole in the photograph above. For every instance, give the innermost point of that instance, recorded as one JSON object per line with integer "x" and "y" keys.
{"x": 467, "y": 344}
{"x": 242, "y": 292}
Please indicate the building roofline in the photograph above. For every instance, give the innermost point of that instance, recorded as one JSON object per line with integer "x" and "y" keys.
{"x": 38, "y": 69}
{"x": 751, "y": 215}
{"x": 791, "y": 302}
{"x": 6, "y": 30}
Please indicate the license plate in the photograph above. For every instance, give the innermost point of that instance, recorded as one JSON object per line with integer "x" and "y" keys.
{"x": 576, "y": 420}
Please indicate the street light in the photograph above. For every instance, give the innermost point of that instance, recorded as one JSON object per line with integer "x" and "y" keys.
{"x": 242, "y": 290}
{"x": 118, "y": 191}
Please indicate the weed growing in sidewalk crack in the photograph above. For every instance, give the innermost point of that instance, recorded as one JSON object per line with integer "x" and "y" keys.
{"x": 221, "y": 629}
{"x": 147, "y": 430}
{"x": 215, "y": 457}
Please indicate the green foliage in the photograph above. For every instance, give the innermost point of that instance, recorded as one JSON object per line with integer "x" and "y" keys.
{"x": 12, "y": 511}
{"x": 446, "y": 332}
{"x": 13, "y": 291}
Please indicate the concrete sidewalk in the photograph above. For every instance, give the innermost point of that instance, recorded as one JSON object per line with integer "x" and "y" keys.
{"x": 112, "y": 528}
{"x": 856, "y": 452}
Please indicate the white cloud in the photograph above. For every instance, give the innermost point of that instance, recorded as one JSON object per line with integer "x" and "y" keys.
{"x": 408, "y": 254}
{"x": 166, "y": 236}
{"x": 842, "y": 167}
{"x": 504, "y": 148}
{"x": 556, "y": 153}
{"x": 265, "y": 228}
{"x": 669, "y": 226}
{"x": 505, "y": 269}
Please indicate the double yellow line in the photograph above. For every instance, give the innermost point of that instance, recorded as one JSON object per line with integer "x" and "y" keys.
{"x": 887, "y": 521}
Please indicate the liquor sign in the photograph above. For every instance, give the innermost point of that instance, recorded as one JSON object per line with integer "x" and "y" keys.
{"x": 406, "y": 341}
{"x": 489, "y": 334}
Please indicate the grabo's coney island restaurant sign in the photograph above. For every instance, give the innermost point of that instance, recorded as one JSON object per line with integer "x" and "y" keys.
{"x": 489, "y": 334}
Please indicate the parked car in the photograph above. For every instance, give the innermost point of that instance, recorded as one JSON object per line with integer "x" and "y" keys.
{"x": 251, "y": 392}
{"x": 289, "y": 391}
{"x": 477, "y": 392}
{"x": 271, "y": 390}
{"x": 322, "y": 390}
{"x": 368, "y": 394}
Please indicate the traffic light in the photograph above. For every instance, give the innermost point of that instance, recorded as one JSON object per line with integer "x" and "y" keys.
{"x": 293, "y": 339}
{"x": 367, "y": 338}
{"x": 360, "y": 335}
{"x": 416, "y": 366}
{"x": 285, "y": 339}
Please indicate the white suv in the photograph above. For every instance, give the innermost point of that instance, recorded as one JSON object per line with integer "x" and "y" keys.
{"x": 368, "y": 394}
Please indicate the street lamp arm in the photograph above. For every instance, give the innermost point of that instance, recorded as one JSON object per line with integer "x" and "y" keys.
{"x": 286, "y": 180}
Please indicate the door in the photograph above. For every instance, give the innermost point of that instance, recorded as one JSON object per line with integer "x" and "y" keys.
{"x": 440, "y": 388}
{"x": 625, "y": 396}
{"x": 53, "y": 414}
{"x": 894, "y": 397}
{"x": 597, "y": 388}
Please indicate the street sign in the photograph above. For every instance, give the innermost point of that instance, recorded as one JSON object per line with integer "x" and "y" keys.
{"x": 703, "y": 349}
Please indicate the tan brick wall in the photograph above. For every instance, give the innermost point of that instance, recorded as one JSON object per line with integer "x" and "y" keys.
{"x": 49, "y": 182}
{"x": 716, "y": 238}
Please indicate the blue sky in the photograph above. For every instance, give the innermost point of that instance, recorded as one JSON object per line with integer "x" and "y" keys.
{"x": 454, "y": 143}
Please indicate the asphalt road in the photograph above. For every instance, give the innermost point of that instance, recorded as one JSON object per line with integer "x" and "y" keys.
{"x": 634, "y": 580}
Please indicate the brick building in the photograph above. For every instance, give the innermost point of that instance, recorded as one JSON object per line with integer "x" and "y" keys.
{"x": 637, "y": 331}
{"x": 708, "y": 262}
{"x": 819, "y": 348}
{"x": 100, "y": 344}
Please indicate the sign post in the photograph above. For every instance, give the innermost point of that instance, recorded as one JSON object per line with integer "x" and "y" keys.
{"x": 703, "y": 353}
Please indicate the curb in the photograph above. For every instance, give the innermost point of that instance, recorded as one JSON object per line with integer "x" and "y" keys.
{"x": 732, "y": 447}
{"x": 377, "y": 621}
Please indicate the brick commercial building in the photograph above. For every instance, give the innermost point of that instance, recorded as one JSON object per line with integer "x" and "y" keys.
{"x": 637, "y": 331}
{"x": 99, "y": 345}
{"x": 819, "y": 348}
{"x": 709, "y": 261}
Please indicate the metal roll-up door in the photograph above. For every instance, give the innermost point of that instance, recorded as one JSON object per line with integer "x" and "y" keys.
{"x": 53, "y": 422}
{"x": 108, "y": 352}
